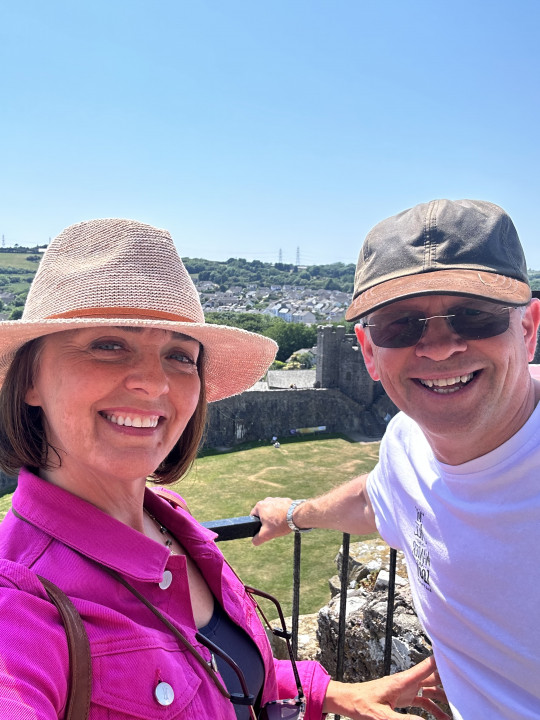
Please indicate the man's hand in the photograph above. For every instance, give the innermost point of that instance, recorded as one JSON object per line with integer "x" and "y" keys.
{"x": 376, "y": 699}
{"x": 273, "y": 515}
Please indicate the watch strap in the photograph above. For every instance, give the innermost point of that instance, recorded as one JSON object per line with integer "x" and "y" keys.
{"x": 290, "y": 521}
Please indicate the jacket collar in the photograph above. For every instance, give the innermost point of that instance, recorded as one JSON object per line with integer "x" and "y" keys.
{"x": 100, "y": 537}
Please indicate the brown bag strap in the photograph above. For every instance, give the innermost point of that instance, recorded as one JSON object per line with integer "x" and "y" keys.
{"x": 171, "y": 498}
{"x": 80, "y": 665}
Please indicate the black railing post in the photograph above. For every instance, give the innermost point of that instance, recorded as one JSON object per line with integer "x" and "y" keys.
{"x": 296, "y": 592}
{"x": 344, "y": 585}
{"x": 390, "y": 612}
{"x": 343, "y": 606}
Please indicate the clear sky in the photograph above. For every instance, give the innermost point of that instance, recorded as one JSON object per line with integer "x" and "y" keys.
{"x": 247, "y": 127}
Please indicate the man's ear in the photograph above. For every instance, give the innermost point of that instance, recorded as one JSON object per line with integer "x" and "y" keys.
{"x": 530, "y": 323}
{"x": 367, "y": 351}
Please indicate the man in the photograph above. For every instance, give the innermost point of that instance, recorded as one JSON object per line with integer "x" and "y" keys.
{"x": 447, "y": 323}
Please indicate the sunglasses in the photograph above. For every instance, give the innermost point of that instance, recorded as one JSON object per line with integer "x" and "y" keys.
{"x": 289, "y": 709}
{"x": 404, "y": 328}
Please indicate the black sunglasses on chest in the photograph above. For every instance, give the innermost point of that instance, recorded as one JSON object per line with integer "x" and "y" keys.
{"x": 287, "y": 709}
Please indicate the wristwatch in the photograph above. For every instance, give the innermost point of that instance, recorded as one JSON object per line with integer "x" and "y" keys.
{"x": 290, "y": 521}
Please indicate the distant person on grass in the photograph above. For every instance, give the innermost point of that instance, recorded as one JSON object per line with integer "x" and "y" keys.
{"x": 105, "y": 384}
{"x": 445, "y": 320}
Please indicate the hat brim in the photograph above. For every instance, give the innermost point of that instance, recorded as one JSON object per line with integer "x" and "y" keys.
{"x": 234, "y": 359}
{"x": 471, "y": 283}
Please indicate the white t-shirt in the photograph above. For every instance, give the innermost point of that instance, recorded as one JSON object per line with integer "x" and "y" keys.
{"x": 471, "y": 537}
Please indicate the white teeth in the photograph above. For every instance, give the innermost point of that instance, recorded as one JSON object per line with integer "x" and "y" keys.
{"x": 446, "y": 382}
{"x": 136, "y": 421}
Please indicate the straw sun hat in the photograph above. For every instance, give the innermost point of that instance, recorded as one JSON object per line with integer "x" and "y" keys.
{"x": 126, "y": 273}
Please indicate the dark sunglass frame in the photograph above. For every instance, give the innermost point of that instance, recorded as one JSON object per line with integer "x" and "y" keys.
{"x": 405, "y": 329}
{"x": 289, "y": 709}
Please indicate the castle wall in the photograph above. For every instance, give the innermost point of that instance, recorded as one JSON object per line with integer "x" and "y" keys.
{"x": 254, "y": 415}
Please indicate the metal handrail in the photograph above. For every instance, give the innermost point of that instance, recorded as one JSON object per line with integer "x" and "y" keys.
{"x": 247, "y": 526}
{"x": 234, "y": 528}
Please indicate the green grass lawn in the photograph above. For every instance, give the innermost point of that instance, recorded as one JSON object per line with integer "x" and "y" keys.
{"x": 229, "y": 484}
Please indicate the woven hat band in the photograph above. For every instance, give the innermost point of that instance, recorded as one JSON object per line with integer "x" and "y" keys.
{"x": 121, "y": 312}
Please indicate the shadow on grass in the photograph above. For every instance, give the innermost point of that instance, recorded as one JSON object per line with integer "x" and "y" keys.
{"x": 285, "y": 440}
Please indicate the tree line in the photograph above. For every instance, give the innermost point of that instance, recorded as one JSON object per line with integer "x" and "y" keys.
{"x": 290, "y": 337}
{"x": 242, "y": 273}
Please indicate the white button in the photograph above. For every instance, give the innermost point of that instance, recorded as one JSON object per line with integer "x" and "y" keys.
{"x": 167, "y": 580}
{"x": 164, "y": 693}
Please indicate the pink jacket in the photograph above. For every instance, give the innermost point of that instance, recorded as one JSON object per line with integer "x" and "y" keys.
{"x": 132, "y": 651}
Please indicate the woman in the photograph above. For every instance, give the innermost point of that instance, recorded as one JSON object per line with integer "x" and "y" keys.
{"x": 105, "y": 383}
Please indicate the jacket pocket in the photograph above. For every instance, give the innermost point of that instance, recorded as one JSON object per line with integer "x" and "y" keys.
{"x": 126, "y": 676}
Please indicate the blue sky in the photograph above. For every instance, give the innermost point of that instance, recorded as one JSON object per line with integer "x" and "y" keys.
{"x": 246, "y": 128}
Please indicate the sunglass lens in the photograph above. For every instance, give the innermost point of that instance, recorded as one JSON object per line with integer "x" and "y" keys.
{"x": 396, "y": 331}
{"x": 475, "y": 324}
{"x": 281, "y": 711}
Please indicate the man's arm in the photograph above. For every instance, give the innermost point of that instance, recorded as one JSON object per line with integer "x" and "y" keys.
{"x": 346, "y": 508}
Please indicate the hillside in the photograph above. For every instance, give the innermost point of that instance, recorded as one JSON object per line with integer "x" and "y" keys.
{"x": 234, "y": 286}
{"x": 236, "y": 277}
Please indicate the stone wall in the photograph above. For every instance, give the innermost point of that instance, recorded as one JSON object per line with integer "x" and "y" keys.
{"x": 254, "y": 416}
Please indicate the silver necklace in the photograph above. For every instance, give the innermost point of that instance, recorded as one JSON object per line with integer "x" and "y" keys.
{"x": 163, "y": 530}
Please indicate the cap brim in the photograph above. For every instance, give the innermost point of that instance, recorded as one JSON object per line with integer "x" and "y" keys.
{"x": 471, "y": 283}
{"x": 234, "y": 358}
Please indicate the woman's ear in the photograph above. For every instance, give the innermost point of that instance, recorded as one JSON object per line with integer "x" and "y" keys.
{"x": 367, "y": 351}
{"x": 32, "y": 397}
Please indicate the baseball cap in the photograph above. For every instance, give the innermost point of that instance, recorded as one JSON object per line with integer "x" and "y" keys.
{"x": 451, "y": 247}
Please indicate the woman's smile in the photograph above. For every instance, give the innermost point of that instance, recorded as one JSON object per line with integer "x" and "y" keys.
{"x": 131, "y": 419}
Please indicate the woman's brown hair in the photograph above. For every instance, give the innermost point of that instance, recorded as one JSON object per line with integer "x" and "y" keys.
{"x": 23, "y": 440}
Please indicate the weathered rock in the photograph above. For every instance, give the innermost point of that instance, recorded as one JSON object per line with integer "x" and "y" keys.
{"x": 335, "y": 585}
{"x": 366, "y": 611}
{"x": 369, "y": 556}
{"x": 308, "y": 647}
{"x": 383, "y": 579}
{"x": 365, "y": 634}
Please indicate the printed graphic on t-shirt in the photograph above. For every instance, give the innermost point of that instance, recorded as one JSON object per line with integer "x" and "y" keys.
{"x": 420, "y": 550}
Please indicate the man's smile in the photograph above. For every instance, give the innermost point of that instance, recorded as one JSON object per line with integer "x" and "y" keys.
{"x": 447, "y": 385}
